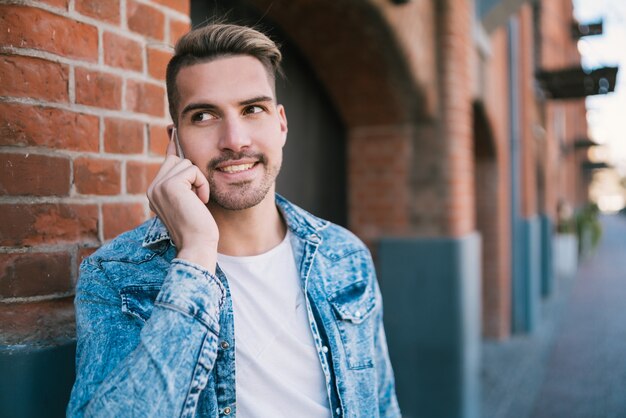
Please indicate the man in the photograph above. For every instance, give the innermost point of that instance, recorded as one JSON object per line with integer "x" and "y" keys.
{"x": 233, "y": 300}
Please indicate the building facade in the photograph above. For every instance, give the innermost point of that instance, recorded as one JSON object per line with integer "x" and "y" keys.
{"x": 420, "y": 125}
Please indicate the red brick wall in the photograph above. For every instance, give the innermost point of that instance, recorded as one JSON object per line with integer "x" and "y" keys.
{"x": 565, "y": 121}
{"x": 83, "y": 108}
{"x": 528, "y": 114}
{"x": 455, "y": 43}
{"x": 494, "y": 225}
{"x": 399, "y": 77}
{"x": 546, "y": 171}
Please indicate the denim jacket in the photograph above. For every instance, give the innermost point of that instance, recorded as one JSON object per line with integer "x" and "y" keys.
{"x": 156, "y": 333}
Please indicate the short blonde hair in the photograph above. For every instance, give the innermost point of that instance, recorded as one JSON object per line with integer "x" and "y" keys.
{"x": 217, "y": 40}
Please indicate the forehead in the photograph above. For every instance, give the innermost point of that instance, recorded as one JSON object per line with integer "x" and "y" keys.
{"x": 224, "y": 80}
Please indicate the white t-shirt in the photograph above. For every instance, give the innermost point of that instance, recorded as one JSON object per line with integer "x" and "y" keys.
{"x": 278, "y": 371}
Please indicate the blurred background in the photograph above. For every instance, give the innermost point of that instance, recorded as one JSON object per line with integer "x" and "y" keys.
{"x": 475, "y": 146}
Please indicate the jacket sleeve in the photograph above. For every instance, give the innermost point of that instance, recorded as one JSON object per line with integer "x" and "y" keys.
{"x": 156, "y": 370}
{"x": 387, "y": 401}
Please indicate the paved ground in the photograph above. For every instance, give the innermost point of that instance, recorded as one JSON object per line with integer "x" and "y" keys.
{"x": 574, "y": 366}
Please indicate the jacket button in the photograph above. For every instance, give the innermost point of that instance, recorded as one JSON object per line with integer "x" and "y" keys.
{"x": 224, "y": 345}
{"x": 227, "y": 410}
{"x": 325, "y": 349}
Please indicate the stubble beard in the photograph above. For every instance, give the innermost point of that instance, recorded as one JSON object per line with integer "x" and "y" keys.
{"x": 244, "y": 195}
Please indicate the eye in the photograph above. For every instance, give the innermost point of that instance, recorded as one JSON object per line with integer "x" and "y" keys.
{"x": 202, "y": 117}
{"x": 249, "y": 110}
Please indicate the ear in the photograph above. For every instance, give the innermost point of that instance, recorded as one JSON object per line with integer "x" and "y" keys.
{"x": 169, "y": 128}
{"x": 283, "y": 122}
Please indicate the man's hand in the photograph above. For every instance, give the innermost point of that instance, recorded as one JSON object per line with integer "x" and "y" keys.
{"x": 178, "y": 195}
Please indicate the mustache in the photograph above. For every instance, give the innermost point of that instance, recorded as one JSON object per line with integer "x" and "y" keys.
{"x": 232, "y": 155}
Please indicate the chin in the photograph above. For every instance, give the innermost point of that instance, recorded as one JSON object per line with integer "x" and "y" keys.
{"x": 238, "y": 199}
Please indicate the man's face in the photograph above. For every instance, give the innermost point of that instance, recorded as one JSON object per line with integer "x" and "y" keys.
{"x": 230, "y": 126}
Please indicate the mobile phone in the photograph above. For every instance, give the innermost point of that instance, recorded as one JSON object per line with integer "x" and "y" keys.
{"x": 179, "y": 150}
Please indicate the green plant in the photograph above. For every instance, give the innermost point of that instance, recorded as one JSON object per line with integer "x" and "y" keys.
{"x": 588, "y": 228}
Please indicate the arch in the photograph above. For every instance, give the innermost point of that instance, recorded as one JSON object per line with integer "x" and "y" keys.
{"x": 355, "y": 54}
{"x": 484, "y": 140}
{"x": 313, "y": 171}
{"x": 489, "y": 208}
{"x": 357, "y": 57}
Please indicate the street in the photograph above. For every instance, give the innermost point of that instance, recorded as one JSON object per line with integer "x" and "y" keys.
{"x": 574, "y": 365}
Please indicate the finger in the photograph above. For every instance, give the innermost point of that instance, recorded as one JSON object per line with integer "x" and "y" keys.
{"x": 177, "y": 168}
{"x": 202, "y": 187}
{"x": 170, "y": 162}
{"x": 195, "y": 180}
{"x": 171, "y": 148}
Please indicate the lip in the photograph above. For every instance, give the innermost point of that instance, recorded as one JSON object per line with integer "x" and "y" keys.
{"x": 235, "y": 162}
{"x": 238, "y": 176}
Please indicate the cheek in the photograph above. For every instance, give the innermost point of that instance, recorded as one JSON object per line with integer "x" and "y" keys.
{"x": 278, "y": 137}
{"x": 199, "y": 155}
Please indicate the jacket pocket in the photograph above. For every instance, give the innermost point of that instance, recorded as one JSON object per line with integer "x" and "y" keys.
{"x": 353, "y": 307}
{"x": 138, "y": 301}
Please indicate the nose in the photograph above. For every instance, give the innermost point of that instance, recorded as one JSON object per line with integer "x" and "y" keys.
{"x": 234, "y": 135}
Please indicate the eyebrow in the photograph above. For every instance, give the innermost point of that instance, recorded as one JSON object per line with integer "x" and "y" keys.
{"x": 257, "y": 99}
{"x": 201, "y": 105}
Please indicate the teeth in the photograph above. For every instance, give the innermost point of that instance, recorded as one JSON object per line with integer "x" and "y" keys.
{"x": 237, "y": 168}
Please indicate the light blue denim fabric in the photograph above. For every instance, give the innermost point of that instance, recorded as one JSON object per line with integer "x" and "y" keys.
{"x": 156, "y": 333}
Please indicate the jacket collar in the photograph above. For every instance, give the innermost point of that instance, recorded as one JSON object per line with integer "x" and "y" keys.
{"x": 299, "y": 222}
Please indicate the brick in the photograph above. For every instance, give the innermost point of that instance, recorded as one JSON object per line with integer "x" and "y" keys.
{"x": 122, "y": 52}
{"x": 35, "y": 274}
{"x": 83, "y": 253}
{"x": 177, "y": 30}
{"x": 34, "y": 78}
{"x": 157, "y": 62}
{"x": 123, "y": 136}
{"x": 45, "y": 323}
{"x": 139, "y": 175}
{"x": 46, "y": 127}
{"x": 57, "y": 3}
{"x": 145, "y": 20}
{"x": 26, "y": 224}
{"x": 30, "y": 27}
{"x": 182, "y": 6}
{"x": 145, "y": 98}
{"x": 38, "y": 175}
{"x": 98, "y": 89}
{"x": 108, "y": 11}
{"x": 97, "y": 176}
{"x": 157, "y": 139}
{"x": 121, "y": 217}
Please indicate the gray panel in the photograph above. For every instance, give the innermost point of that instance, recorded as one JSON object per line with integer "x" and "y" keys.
{"x": 527, "y": 291}
{"x": 485, "y": 6}
{"x": 532, "y": 261}
{"x": 518, "y": 283}
{"x": 431, "y": 291}
{"x": 547, "y": 264}
{"x": 36, "y": 383}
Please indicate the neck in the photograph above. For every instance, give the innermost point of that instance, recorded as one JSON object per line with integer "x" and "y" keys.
{"x": 250, "y": 231}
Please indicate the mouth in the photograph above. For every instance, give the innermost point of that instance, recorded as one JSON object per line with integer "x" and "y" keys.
{"x": 236, "y": 168}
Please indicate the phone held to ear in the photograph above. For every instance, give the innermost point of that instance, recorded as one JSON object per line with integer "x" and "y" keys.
{"x": 174, "y": 136}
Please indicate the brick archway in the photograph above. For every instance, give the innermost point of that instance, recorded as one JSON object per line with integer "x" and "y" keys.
{"x": 496, "y": 293}
{"x": 356, "y": 55}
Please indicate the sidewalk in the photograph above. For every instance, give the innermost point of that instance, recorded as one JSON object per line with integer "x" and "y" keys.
{"x": 574, "y": 365}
